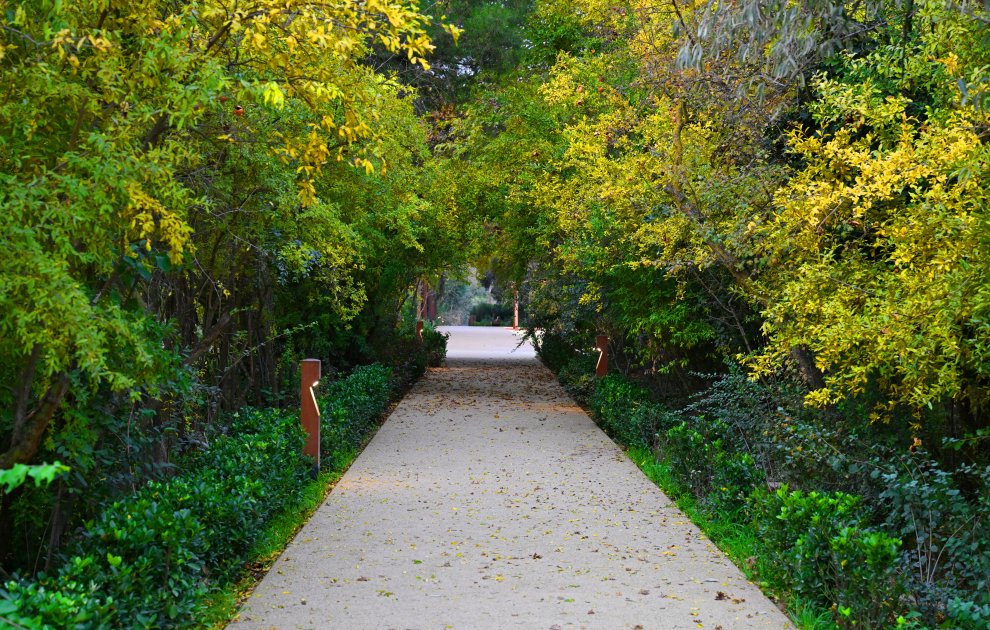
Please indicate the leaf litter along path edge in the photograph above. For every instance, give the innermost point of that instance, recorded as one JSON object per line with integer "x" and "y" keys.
{"x": 489, "y": 499}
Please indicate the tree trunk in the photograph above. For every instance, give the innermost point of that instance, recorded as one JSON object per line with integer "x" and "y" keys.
{"x": 28, "y": 430}
{"x": 812, "y": 375}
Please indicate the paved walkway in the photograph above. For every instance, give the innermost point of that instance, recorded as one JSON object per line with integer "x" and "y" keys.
{"x": 490, "y": 500}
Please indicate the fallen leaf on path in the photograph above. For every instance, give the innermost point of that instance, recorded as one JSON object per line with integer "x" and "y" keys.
{"x": 362, "y": 579}
{"x": 720, "y": 596}
{"x": 644, "y": 592}
{"x": 536, "y": 556}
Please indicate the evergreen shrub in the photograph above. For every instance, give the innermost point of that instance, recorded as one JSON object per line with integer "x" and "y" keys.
{"x": 151, "y": 559}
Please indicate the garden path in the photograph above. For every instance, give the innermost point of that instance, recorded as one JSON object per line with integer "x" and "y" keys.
{"x": 489, "y": 499}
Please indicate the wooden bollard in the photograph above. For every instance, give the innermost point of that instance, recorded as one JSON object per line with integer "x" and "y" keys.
{"x": 419, "y": 331}
{"x": 470, "y": 320}
{"x": 309, "y": 411}
{"x": 602, "y": 368}
{"x": 515, "y": 311}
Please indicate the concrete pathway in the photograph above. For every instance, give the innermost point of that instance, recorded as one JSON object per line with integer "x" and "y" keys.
{"x": 489, "y": 499}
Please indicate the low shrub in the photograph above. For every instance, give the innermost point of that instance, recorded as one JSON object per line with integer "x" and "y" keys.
{"x": 625, "y": 410}
{"x": 410, "y": 356}
{"x": 876, "y": 537}
{"x": 554, "y": 352}
{"x": 797, "y": 529}
{"x": 152, "y": 558}
{"x": 577, "y": 376}
{"x": 53, "y": 603}
{"x": 867, "y": 591}
{"x": 350, "y": 408}
{"x": 720, "y": 476}
{"x": 435, "y": 346}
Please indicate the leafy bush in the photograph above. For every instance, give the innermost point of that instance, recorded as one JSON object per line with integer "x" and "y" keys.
{"x": 625, "y": 410}
{"x": 435, "y": 346}
{"x": 409, "y": 355}
{"x": 578, "y": 377}
{"x": 152, "y": 558}
{"x": 49, "y": 604}
{"x": 700, "y": 449}
{"x": 350, "y": 408}
{"x": 798, "y": 528}
{"x": 946, "y": 558}
{"x": 867, "y": 590}
{"x": 554, "y": 351}
{"x": 829, "y": 557}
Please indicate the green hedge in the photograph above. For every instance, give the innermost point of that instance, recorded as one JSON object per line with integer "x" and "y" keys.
{"x": 855, "y": 557}
{"x": 153, "y": 558}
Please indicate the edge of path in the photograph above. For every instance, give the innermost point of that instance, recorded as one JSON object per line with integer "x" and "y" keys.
{"x": 660, "y": 474}
{"x": 277, "y": 534}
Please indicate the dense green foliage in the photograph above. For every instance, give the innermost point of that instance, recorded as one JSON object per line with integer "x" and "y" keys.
{"x": 194, "y": 198}
{"x": 868, "y": 532}
{"x": 152, "y": 558}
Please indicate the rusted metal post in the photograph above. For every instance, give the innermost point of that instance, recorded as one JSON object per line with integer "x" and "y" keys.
{"x": 419, "y": 331}
{"x": 602, "y": 368}
{"x": 310, "y": 411}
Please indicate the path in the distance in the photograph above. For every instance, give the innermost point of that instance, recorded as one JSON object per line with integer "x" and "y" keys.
{"x": 489, "y": 499}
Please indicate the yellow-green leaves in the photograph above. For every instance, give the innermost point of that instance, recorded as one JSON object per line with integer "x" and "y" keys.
{"x": 881, "y": 239}
{"x": 273, "y": 95}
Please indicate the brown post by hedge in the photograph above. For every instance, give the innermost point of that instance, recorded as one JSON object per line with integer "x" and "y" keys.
{"x": 419, "y": 331}
{"x": 310, "y": 412}
{"x": 602, "y": 368}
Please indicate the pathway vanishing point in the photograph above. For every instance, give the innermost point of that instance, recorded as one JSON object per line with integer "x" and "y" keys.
{"x": 489, "y": 499}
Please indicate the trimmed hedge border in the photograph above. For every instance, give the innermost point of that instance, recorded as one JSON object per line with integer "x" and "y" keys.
{"x": 154, "y": 559}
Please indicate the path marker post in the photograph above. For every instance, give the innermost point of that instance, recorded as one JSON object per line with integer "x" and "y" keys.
{"x": 602, "y": 368}
{"x": 419, "y": 331}
{"x": 309, "y": 411}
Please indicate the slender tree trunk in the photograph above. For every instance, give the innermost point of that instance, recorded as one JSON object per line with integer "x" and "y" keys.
{"x": 28, "y": 430}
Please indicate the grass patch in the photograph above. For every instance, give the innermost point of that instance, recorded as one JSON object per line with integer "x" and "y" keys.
{"x": 735, "y": 538}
